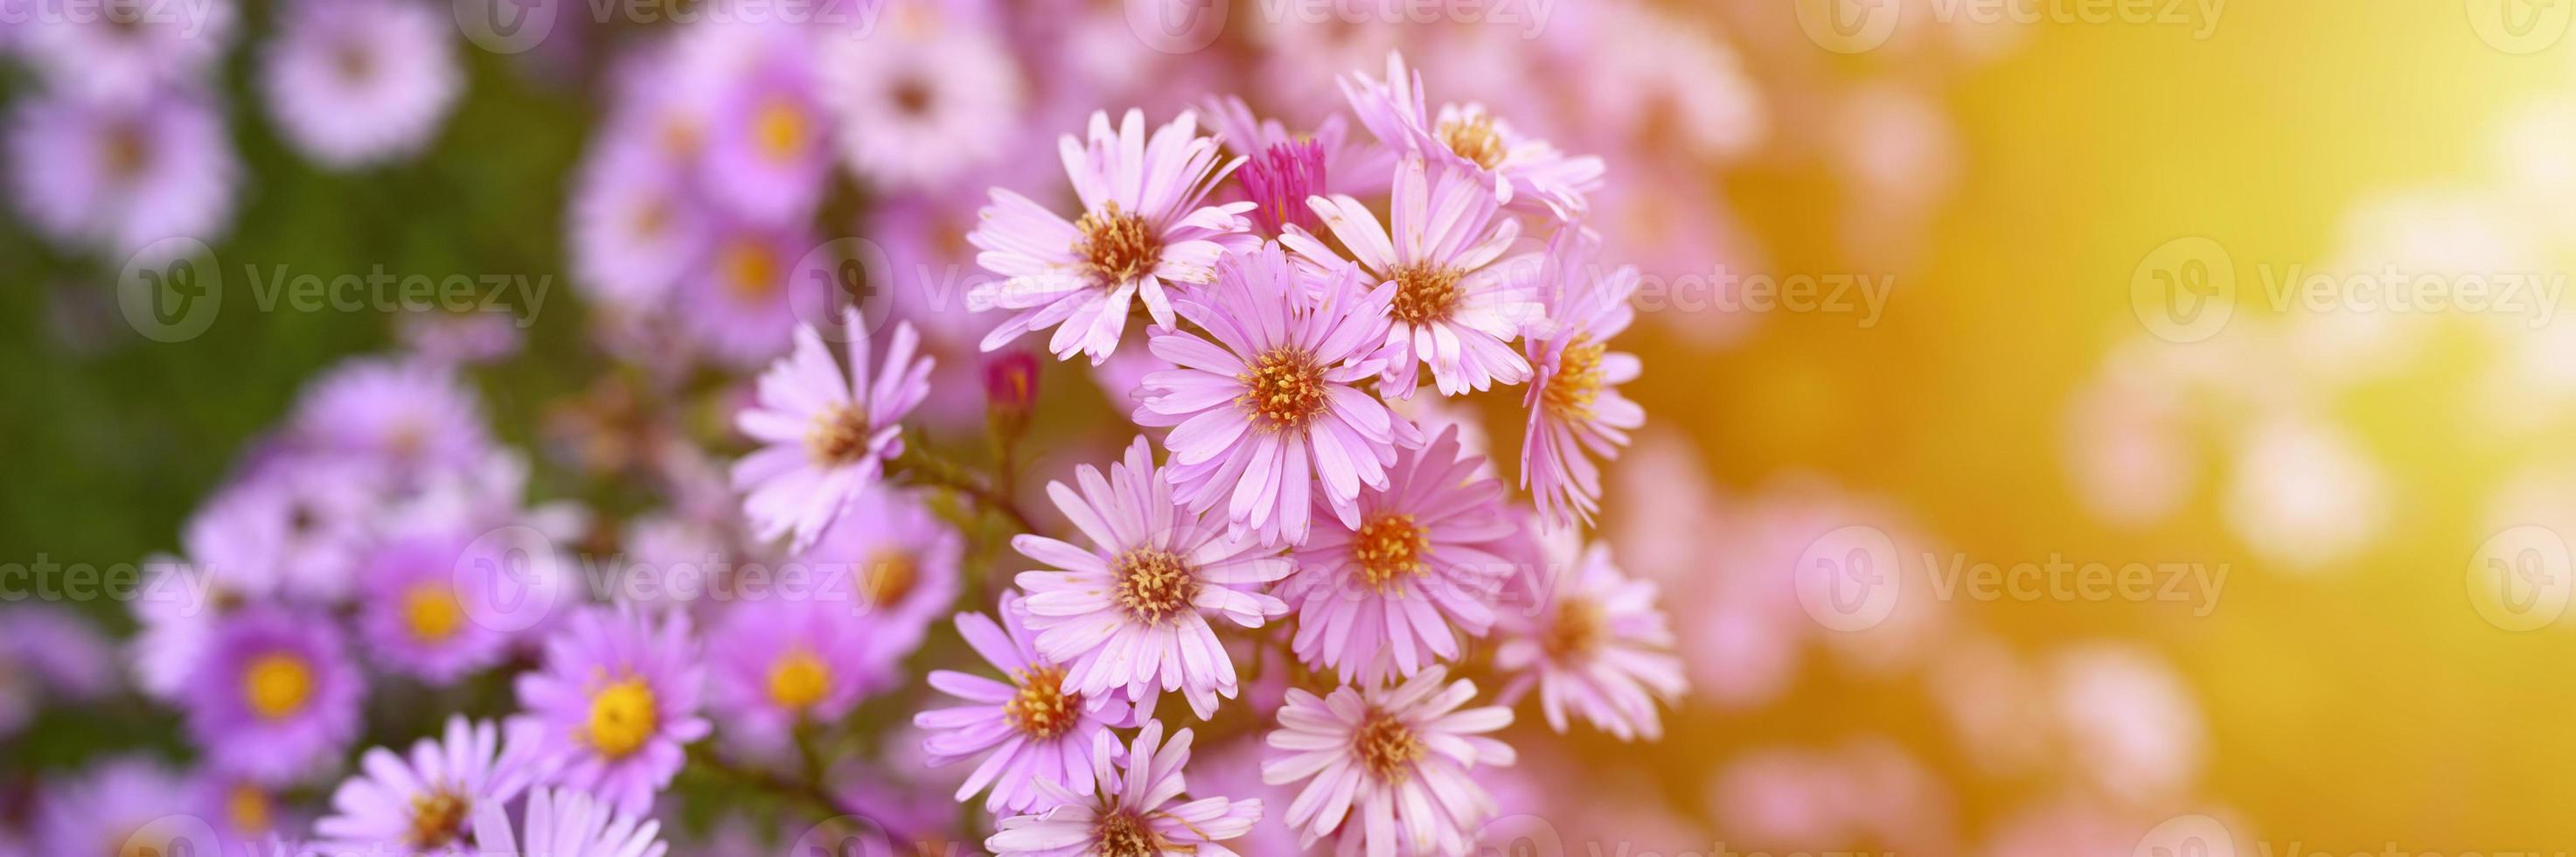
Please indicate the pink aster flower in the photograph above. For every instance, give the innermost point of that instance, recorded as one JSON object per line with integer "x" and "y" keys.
{"x": 741, "y": 295}
{"x": 1140, "y": 813}
{"x": 1597, "y": 646}
{"x": 1384, "y": 595}
{"x": 924, "y": 98}
{"x": 826, "y": 434}
{"x": 1265, "y": 404}
{"x": 426, "y": 588}
{"x": 121, "y": 175}
{"x": 1142, "y": 228}
{"x": 1404, "y": 757}
{"x": 780, "y": 662}
{"x": 1455, "y": 300}
{"x": 276, "y": 696}
{"x": 637, "y": 224}
{"x": 767, "y": 144}
{"x": 359, "y": 82}
{"x": 119, "y": 806}
{"x": 890, "y": 569}
{"x": 1517, "y": 168}
{"x": 1575, "y": 410}
{"x": 1027, "y": 729}
{"x": 567, "y": 823}
{"x": 616, "y": 703}
{"x": 124, "y": 50}
{"x": 1132, "y": 611}
{"x": 406, "y": 412}
{"x": 423, "y": 804}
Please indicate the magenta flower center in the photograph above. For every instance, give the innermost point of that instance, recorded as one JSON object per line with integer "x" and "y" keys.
{"x": 1577, "y": 383}
{"x": 437, "y": 819}
{"x": 1283, "y": 389}
{"x": 1117, "y": 247}
{"x": 1389, "y": 547}
{"x": 1425, "y": 293}
{"x": 1280, "y": 180}
{"x": 1473, "y": 138}
{"x": 1154, "y": 585}
{"x": 1042, "y": 709}
{"x": 1121, "y": 834}
{"x": 1578, "y": 629}
{"x": 839, "y": 436}
{"x": 1386, "y": 746}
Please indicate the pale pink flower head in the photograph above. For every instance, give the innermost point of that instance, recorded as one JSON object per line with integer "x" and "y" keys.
{"x": 1392, "y": 594}
{"x": 1453, "y": 298}
{"x": 121, "y": 175}
{"x": 1391, "y": 768}
{"x": 616, "y": 704}
{"x": 1142, "y": 229}
{"x": 825, "y": 434}
{"x": 779, "y": 662}
{"x": 567, "y": 823}
{"x": 1131, "y": 613}
{"x": 1138, "y": 811}
{"x": 125, "y": 50}
{"x": 767, "y": 142}
{"x": 1575, "y": 410}
{"x": 1515, "y": 168}
{"x": 276, "y": 697}
{"x": 1597, "y": 647}
{"x": 1265, "y": 404}
{"x": 1027, "y": 727}
{"x": 923, "y": 98}
{"x": 359, "y": 82}
{"x": 742, "y": 295}
{"x": 424, "y": 803}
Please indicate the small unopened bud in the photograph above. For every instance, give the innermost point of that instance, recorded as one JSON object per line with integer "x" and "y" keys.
{"x": 1010, "y": 391}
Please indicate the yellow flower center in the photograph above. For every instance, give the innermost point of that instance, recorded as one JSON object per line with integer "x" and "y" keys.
{"x": 1386, "y": 747}
{"x": 249, "y": 809}
{"x": 277, "y": 685}
{"x": 1389, "y": 547}
{"x": 889, "y": 576}
{"x": 621, "y": 718}
{"x": 1578, "y": 629}
{"x": 1473, "y": 138}
{"x": 1424, "y": 293}
{"x": 1283, "y": 389}
{"x": 1577, "y": 383}
{"x": 1154, "y": 585}
{"x": 431, "y": 613}
{"x": 839, "y": 436}
{"x": 438, "y": 819}
{"x": 1042, "y": 709}
{"x": 798, "y": 680}
{"x": 1117, "y": 247}
{"x": 750, "y": 270}
{"x": 1121, "y": 834}
{"x": 779, "y": 129}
